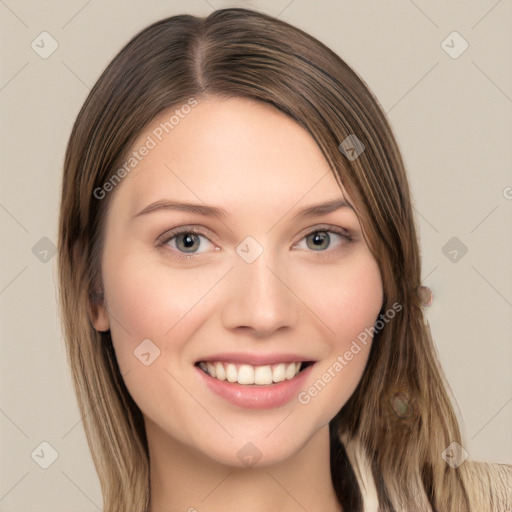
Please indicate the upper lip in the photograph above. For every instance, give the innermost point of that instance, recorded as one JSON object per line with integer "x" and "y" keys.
{"x": 256, "y": 359}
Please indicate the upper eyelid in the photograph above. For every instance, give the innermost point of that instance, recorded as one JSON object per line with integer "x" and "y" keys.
{"x": 178, "y": 230}
{"x": 337, "y": 230}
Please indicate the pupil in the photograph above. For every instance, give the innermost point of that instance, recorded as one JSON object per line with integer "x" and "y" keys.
{"x": 188, "y": 240}
{"x": 319, "y": 238}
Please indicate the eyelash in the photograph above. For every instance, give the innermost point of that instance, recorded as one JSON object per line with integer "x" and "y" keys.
{"x": 167, "y": 237}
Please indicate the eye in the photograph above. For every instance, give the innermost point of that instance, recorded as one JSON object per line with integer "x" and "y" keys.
{"x": 322, "y": 239}
{"x": 186, "y": 241}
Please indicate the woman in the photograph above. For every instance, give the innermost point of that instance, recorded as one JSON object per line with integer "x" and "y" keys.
{"x": 240, "y": 285}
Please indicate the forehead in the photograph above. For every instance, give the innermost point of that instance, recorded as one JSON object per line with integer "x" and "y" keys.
{"x": 235, "y": 151}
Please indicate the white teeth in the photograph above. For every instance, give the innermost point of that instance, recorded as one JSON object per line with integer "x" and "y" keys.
{"x": 220, "y": 371}
{"x": 290, "y": 371}
{"x": 247, "y": 374}
{"x": 211, "y": 369}
{"x": 279, "y": 373}
{"x": 263, "y": 375}
{"x": 231, "y": 373}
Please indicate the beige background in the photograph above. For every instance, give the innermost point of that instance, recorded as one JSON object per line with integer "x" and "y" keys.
{"x": 452, "y": 118}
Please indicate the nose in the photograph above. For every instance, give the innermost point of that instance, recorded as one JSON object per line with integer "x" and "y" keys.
{"x": 259, "y": 299}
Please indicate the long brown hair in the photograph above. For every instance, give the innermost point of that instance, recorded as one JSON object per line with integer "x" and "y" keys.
{"x": 400, "y": 418}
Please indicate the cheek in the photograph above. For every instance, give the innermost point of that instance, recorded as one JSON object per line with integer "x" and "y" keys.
{"x": 346, "y": 299}
{"x": 348, "y": 303}
{"x": 147, "y": 300}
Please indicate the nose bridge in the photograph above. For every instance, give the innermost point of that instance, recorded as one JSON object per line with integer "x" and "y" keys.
{"x": 258, "y": 298}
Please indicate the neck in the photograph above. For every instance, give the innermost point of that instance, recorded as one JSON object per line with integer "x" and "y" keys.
{"x": 183, "y": 479}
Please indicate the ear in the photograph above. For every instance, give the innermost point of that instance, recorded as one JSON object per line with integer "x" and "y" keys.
{"x": 97, "y": 304}
{"x": 98, "y": 313}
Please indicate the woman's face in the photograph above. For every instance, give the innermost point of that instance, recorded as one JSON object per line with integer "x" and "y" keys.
{"x": 267, "y": 283}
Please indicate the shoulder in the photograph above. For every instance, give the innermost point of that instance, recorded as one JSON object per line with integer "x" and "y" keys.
{"x": 490, "y": 486}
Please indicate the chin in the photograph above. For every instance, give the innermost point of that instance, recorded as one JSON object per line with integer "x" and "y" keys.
{"x": 257, "y": 449}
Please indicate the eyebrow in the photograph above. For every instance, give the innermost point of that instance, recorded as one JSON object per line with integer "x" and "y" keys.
{"x": 214, "y": 211}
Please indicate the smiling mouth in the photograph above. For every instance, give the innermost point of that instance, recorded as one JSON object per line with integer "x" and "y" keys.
{"x": 248, "y": 375}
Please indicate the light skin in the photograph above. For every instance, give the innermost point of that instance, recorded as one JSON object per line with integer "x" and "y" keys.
{"x": 314, "y": 300}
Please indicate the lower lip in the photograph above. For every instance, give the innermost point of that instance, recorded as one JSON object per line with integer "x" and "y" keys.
{"x": 255, "y": 396}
